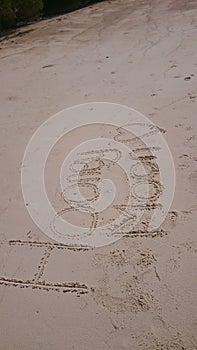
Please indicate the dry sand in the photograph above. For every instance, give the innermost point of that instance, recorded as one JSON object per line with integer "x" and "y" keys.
{"x": 140, "y": 292}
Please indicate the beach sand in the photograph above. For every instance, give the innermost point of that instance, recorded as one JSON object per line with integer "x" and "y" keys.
{"x": 139, "y": 292}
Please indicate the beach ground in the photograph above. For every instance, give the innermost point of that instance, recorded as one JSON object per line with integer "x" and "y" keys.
{"x": 139, "y": 292}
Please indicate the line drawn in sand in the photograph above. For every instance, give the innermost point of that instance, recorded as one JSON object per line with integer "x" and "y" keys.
{"x": 137, "y": 148}
{"x": 134, "y": 150}
{"x": 36, "y": 281}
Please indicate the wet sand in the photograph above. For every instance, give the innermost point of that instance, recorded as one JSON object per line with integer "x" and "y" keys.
{"x": 140, "y": 292}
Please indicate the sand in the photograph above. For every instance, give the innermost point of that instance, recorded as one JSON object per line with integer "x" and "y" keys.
{"x": 139, "y": 292}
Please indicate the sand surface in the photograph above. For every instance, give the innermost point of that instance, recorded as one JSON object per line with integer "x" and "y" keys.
{"x": 140, "y": 292}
